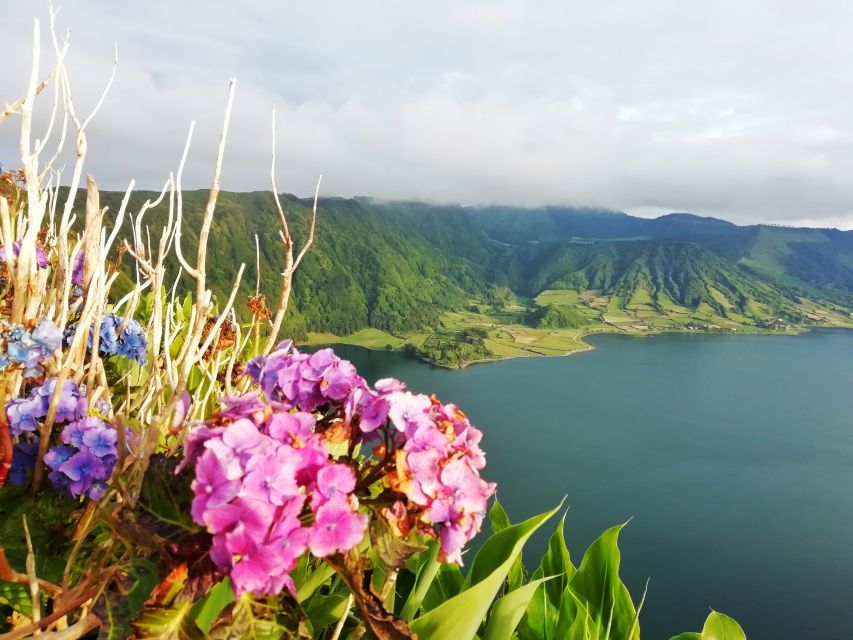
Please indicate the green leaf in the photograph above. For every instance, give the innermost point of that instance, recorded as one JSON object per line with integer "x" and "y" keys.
{"x": 16, "y": 596}
{"x": 500, "y": 521}
{"x": 599, "y": 602}
{"x": 447, "y": 583}
{"x": 139, "y": 577}
{"x": 255, "y": 619}
{"x": 168, "y": 624}
{"x": 498, "y": 517}
{"x": 313, "y": 581}
{"x": 325, "y": 610}
{"x": 460, "y": 617}
{"x": 206, "y": 610}
{"x": 542, "y": 615}
{"x": 507, "y": 612}
{"x": 719, "y": 626}
{"x": 167, "y": 498}
{"x": 114, "y": 614}
{"x": 426, "y": 573}
{"x": 500, "y": 546}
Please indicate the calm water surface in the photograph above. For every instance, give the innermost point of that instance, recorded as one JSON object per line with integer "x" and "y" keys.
{"x": 733, "y": 455}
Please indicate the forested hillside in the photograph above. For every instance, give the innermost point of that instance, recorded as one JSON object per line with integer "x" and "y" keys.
{"x": 399, "y": 267}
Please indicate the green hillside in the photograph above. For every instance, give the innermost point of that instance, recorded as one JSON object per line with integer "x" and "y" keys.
{"x": 526, "y": 281}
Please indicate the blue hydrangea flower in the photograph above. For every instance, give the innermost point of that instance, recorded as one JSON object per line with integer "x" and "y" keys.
{"x": 119, "y": 336}
{"x": 29, "y": 349}
{"x": 100, "y": 440}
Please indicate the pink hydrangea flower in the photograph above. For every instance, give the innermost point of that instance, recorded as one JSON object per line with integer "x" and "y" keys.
{"x": 268, "y": 490}
{"x": 336, "y": 528}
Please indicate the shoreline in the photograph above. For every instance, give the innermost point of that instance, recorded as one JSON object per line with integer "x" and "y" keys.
{"x": 580, "y": 338}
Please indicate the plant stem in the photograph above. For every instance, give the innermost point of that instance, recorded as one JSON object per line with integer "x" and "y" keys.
{"x": 340, "y": 626}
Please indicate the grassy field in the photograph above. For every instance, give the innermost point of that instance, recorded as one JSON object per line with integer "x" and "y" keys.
{"x": 507, "y": 336}
{"x": 369, "y": 338}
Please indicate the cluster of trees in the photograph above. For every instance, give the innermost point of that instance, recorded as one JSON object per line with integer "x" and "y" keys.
{"x": 554, "y": 316}
{"x": 455, "y": 348}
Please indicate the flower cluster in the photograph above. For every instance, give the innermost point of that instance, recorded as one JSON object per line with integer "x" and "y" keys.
{"x": 84, "y": 463}
{"x": 19, "y": 346}
{"x": 85, "y": 460}
{"x": 25, "y": 414}
{"x": 304, "y": 380}
{"x": 431, "y": 453}
{"x": 118, "y": 336}
{"x": 437, "y": 469}
{"x": 266, "y": 489}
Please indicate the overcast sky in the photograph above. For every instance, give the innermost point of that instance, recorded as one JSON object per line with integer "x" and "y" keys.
{"x": 741, "y": 109}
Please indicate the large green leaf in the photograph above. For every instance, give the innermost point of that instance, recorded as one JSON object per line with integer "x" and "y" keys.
{"x": 498, "y": 518}
{"x": 259, "y": 619}
{"x": 426, "y": 572}
{"x": 114, "y": 614}
{"x": 138, "y": 579}
{"x": 125, "y": 597}
{"x": 599, "y": 605}
{"x": 165, "y": 499}
{"x": 460, "y": 617}
{"x": 500, "y": 521}
{"x": 16, "y": 596}
{"x": 325, "y": 610}
{"x": 719, "y": 626}
{"x": 168, "y": 624}
{"x": 447, "y": 584}
{"x": 312, "y": 581}
{"x": 541, "y": 619}
{"x": 508, "y": 610}
{"x": 206, "y": 610}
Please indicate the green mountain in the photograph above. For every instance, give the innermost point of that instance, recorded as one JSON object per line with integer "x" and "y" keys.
{"x": 401, "y": 267}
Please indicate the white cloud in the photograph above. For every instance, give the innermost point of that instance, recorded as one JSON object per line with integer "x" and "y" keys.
{"x": 741, "y": 109}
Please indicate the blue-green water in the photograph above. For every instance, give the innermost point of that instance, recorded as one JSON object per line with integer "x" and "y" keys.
{"x": 733, "y": 455}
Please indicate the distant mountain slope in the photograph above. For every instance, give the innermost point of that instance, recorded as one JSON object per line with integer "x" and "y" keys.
{"x": 819, "y": 258}
{"x": 398, "y": 266}
{"x": 658, "y": 274}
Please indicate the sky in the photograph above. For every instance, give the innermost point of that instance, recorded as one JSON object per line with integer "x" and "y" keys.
{"x": 740, "y": 109}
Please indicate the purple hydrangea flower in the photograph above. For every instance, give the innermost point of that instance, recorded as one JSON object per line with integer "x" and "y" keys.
{"x": 41, "y": 256}
{"x": 82, "y": 469}
{"x": 77, "y": 269}
{"x": 85, "y": 462}
{"x": 99, "y": 438}
{"x": 25, "y": 414}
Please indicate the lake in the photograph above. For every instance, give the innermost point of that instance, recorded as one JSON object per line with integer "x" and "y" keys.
{"x": 731, "y": 455}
